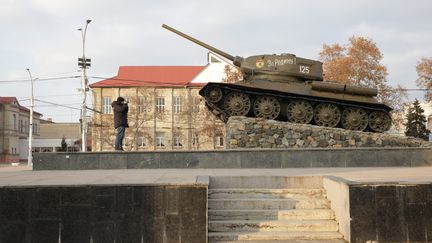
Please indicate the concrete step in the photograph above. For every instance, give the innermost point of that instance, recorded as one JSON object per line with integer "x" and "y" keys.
{"x": 281, "y": 241}
{"x": 271, "y": 236}
{"x": 299, "y": 193}
{"x": 281, "y": 182}
{"x": 270, "y": 214}
{"x": 284, "y": 204}
{"x": 272, "y": 225}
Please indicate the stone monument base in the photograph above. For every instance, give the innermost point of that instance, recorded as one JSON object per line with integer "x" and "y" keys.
{"x": 245, "y": 132}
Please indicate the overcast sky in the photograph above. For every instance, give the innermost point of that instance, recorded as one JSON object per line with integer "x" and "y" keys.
{"x": 42, "y": 35}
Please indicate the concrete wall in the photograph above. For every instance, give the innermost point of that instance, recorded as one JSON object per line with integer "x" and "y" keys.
{"x": 338, "y": 193}
{"x": 60, "y": 130}
{"x": 391, "y": 212}
{"x": 252, "y": 158}
{"x": 101, "y": 214}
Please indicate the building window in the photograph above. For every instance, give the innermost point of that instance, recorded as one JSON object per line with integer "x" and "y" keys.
{"x": 219, "y": 142}
{"x": 160, "y": 104}
{"x": 196, "y": 104}
{"x": 141, "y": 142}
{"x": 177, "y": 106}
{"x": 106, "y": 105}
{"x": 126, "y": 142}
{"x": 15, "y": 126}
{"x": 35, "y": 127}
{"x": 160, "y": 140}
{"x": 20, "y": 122}
{"x": 142, "y": 104}
{"x": 25, "y": 127}
{"x": 195, "y": 140}
{"x": 46, "y": 149}
{"x": 177, "y": 142}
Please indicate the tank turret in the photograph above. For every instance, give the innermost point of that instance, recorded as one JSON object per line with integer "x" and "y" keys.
{"x": 290, "y": 88}
{"x": 270, "y": 67}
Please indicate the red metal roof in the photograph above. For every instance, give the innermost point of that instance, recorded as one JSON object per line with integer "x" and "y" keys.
{"x": 133, "y": 76}
{"x": 10, "y": 100}
{"x": 7, "y": 100}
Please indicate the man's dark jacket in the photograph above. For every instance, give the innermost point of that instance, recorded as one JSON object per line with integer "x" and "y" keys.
{"x": 120, "y": 114}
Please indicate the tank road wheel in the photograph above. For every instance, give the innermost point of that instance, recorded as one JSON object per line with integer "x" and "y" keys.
{"x": 213, "y": 94}
{"x": 237, "y": 104}
{"x": 327, "y": 115}
{"x": 267, "y": 107}
{"x": 300, "y": 112}
{"x": 379, "y": 121}
{"x": 354, "y": 119}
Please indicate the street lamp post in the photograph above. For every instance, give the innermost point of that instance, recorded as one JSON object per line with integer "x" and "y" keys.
{"x": 84, "y": 84}
{"x": 30, "y": 152}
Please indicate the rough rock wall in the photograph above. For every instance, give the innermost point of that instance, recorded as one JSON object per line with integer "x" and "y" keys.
{"x": 243, "y": 132}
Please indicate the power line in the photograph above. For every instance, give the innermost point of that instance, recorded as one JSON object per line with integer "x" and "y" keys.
{"x": 65, "y": 105}
{"x": 36, "y": 79}
{"x": 43, "y": 96}
{"x": 55, "y": 104}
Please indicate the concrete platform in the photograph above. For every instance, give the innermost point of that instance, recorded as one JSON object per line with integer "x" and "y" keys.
{"x": 23, "y": 176}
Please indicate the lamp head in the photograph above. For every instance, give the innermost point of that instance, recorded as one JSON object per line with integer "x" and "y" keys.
{"x": 88, "y": 21}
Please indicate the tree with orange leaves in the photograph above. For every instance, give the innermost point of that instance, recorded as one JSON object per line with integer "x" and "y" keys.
{"x": 359, "y": 63}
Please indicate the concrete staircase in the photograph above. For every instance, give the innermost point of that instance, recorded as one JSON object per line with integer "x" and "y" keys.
{"x": 270, "y": 209}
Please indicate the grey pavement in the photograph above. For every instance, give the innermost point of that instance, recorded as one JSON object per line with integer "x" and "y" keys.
{"x": 24, "y": 176}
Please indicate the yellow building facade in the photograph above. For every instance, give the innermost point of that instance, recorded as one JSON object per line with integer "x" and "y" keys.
{"x": 165, "y": 110}
{"x": 159, "y": 119}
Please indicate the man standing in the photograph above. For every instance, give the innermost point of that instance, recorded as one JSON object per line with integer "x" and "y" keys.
{"x": 120, "y": 108}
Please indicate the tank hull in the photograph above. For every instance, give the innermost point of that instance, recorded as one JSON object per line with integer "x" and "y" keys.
{"x": 344, "y": 107}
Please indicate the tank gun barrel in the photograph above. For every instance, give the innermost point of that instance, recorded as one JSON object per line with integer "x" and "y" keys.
{"x": 211, "y": 48}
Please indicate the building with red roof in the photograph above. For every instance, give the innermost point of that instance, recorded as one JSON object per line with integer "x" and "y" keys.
{"x": 14, "y": 130}
{"x": 165, "y": 110}
{"x": 151, "y": 76}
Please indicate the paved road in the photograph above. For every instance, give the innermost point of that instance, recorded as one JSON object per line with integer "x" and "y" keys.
{"x": 24, "y": 176}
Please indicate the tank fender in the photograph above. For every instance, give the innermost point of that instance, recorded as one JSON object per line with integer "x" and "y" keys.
{"x": 343, "y": 88}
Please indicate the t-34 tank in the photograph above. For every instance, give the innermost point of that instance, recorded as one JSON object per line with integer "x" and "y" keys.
{"x": 285, "y": 87}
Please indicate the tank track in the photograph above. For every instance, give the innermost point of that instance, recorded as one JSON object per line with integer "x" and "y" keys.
{"x": 234, "y": 100}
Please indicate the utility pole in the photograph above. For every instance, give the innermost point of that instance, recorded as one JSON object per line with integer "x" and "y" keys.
{"x": 30, "y": 152}
{"x": 84, "y": 63}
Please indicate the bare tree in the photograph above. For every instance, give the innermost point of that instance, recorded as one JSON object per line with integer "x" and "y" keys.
{"x": 141, "y": 111}
{"x": 424, "y": 73}
{"x": 232, "y": 74}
